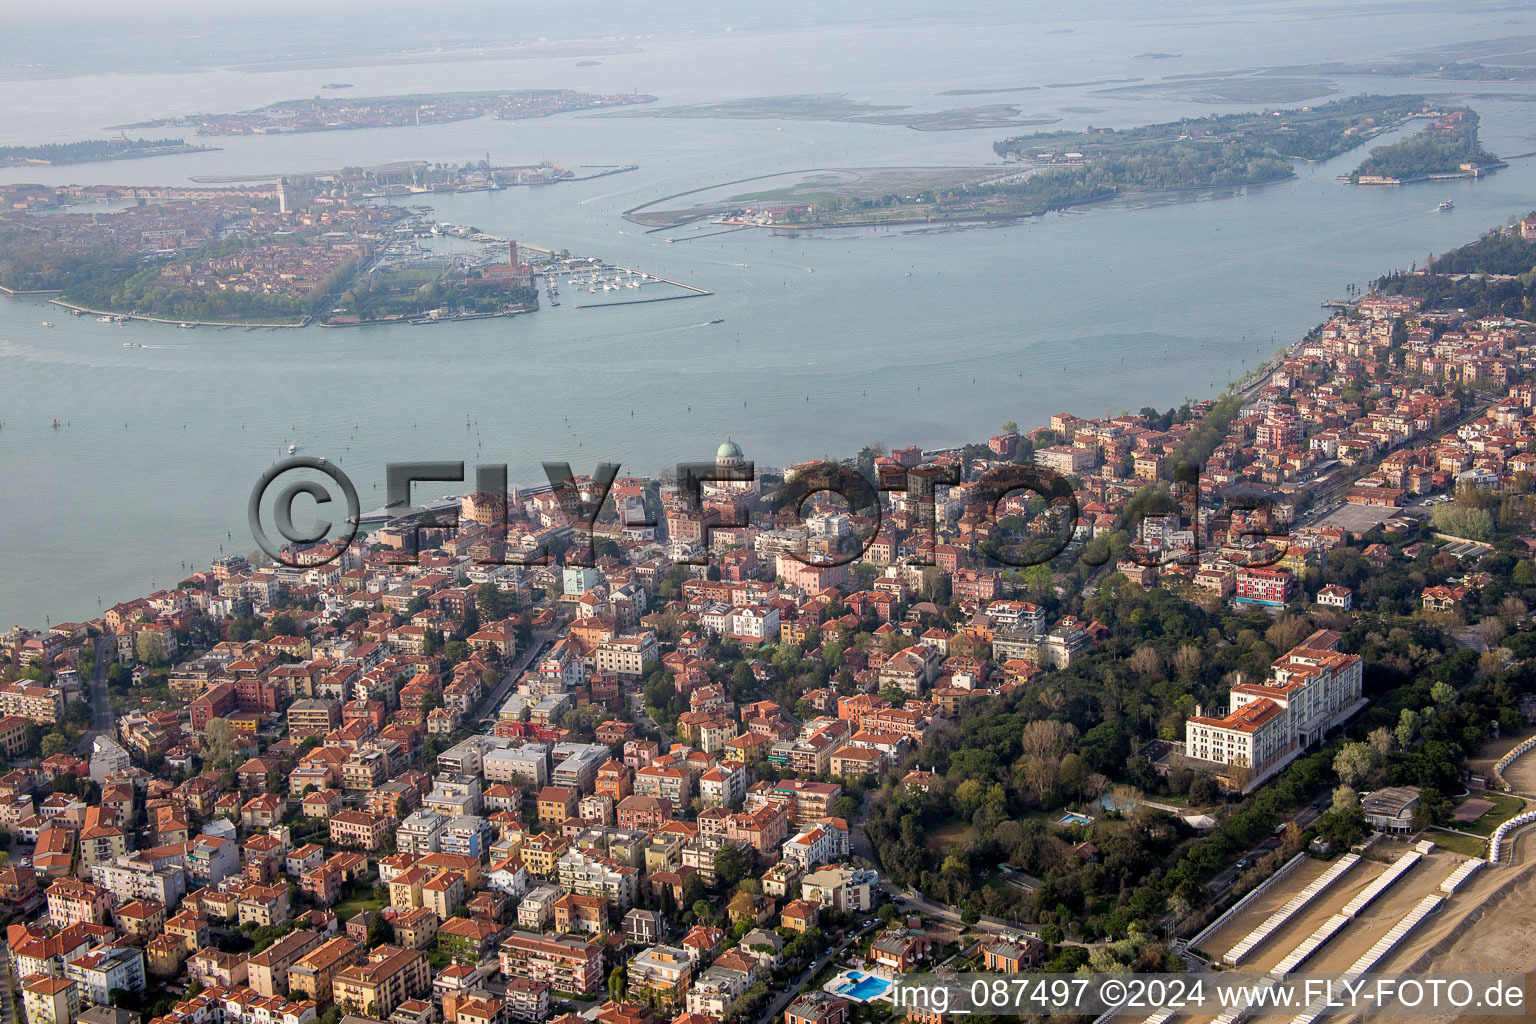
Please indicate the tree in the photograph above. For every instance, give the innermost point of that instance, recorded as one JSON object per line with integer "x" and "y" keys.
{"x": 1442, "y": 693}
{"x": 1382, "y": 740}
{"x": 1073, "y": 775}
{"x": 1045, "y": 736}
{"x": 617, "y": 981}
{"x": 150, "y": 647}
{"x": 1354, "y": 763}
{"x": 1344, "y": 822}
{"x": 1202, "y": 790}
{"x": 218, "y": 742}
{"x": 731, "y": 864}
{"x": 1492, "y": 629}
{"x": 55, "y": 743}
{"x": 1408, "y": 722}
{"x": 1127, "y": 799}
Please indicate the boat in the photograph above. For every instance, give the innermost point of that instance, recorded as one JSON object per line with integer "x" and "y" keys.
{"x": 186, "y": 326}
{"x": 47, "y": 323}
{"x": 718, "y": 320}
{"x": 132, "y": 344}
{"x": 1447, "y": 205}
{"x": 103, "y": 319}
{"x": 292, "y": 448}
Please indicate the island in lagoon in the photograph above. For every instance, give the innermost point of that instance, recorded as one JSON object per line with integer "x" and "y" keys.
{"x": 55, "y": 154}
{"x": 319, "y": 114}
{"x": 1056, "y": 170}
{"x": 283, "y": 255}
{"x": 272, "y": 254}
{"x": 1448, "y": 148}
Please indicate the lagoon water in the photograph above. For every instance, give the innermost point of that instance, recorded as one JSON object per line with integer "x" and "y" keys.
{"x": 829, "y": 341}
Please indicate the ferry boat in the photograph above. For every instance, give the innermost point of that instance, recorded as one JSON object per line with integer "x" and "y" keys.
{"x": 186, "y": 326}
{"x": 1447, "y": 205}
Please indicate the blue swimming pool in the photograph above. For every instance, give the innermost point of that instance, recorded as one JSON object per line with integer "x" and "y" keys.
{"x": 864, "y": 987}
{"x": 1073, "y": 818}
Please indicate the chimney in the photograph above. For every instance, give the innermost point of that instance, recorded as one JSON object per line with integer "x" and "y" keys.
{"x": 1199, "y": 710}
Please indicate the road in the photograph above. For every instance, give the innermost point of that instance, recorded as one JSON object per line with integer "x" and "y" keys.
{"x": 1222, "y": 880}
{"x": 776, "y": 1007}
{"x": 537, "y": 643}
{"x": 101, "y": 707}
{"x": 7, "y": 1000}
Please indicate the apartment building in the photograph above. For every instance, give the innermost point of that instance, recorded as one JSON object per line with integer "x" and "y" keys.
{"x": 358, "y": 828}
{"x": 568, "y": 963}
{"x": 312, "y": 976}
{"x": 390, "y": 976}
{"x": 267, "y": 971}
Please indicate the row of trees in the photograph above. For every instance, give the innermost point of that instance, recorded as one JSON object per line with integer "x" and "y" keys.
{"x": 86, "y": 150}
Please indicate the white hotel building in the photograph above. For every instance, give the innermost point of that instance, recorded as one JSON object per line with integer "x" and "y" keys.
{"x": 1313, "y": 689}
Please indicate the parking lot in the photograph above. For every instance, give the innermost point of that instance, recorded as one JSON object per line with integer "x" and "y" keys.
{"x": 1358, "y": 518}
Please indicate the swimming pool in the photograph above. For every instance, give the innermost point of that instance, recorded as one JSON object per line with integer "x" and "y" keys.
{"x": 863, "y": 987}
{"x": 1073, "y": 818}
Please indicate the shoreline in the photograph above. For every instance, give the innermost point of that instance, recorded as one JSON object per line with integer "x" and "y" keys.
{"x": 421, "y": 321}
{"x": 166, "y": 320}
{"x": 179, "y": 151}
{"x": 986, "y": 217}
{"x": 1482, "y": 170}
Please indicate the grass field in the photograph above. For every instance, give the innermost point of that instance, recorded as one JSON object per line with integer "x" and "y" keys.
{"x": 946, "y": 837}
{"x": 1504, "y": 808}
{"x": 1457, "y": 843}
{"x": 348, "y": 908}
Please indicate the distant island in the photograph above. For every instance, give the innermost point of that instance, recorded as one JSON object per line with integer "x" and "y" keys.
{"x": 1449, "y": 148}
{"x": 337, "y": 85}
{"x": 274, "y": 255}
{"x": 87, "y": 151}
{"x": 1072, "y": 168}
{"x": 839, "y": 107}
{"x": 323, "y": 115}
